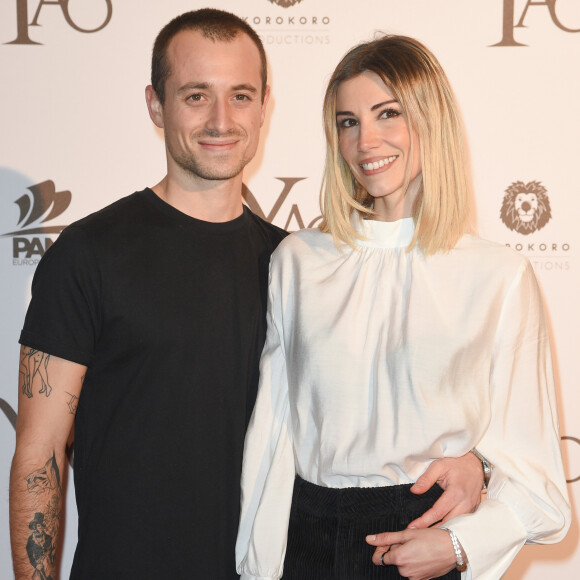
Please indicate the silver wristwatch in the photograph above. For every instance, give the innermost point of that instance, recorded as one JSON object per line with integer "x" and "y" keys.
{"x": 486, "y": 465}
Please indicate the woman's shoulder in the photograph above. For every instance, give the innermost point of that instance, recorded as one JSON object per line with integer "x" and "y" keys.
{"x": 487, "y": 255}
{"x": 489, "y": 248}
{"x": 303, "y": 242}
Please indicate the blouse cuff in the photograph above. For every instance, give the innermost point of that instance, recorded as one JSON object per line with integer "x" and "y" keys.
{"x": 491, "y": 537}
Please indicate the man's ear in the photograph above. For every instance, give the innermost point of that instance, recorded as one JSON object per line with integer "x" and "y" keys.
{"x": 154, "y": 106}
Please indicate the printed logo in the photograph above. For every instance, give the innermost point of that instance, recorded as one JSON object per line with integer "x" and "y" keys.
{"x": 22, "y": 23}
{"x": 285, "y": 3}
{"x": 296, "y": 27}
{"x": 39, "y": 205}
{"x": 508, "y": 38}
{"x": 294, "y": 216}
{"x": 525, "y": 207}
{"x": 525, "y": 210}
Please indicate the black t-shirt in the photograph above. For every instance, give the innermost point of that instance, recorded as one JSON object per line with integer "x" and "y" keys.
{"x": 168, "y": 314}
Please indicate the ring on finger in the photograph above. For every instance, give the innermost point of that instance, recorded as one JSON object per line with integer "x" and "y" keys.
{"x": 383, "y": 555}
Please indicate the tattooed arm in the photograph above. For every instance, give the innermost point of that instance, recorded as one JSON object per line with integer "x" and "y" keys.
{"x": 49, "y": 388}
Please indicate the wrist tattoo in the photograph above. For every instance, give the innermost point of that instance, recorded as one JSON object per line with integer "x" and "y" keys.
{"x": 41, "y": 546}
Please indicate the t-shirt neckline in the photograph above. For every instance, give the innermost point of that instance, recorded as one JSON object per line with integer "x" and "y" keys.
{"x": 213, "y": 227}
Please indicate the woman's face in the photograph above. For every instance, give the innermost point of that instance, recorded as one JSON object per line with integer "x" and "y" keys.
{"x": 375, "y": 141}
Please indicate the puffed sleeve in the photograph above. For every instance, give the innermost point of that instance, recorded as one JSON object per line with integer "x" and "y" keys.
{"x": 268, "y": 469}
{"x": 527, "y": 499}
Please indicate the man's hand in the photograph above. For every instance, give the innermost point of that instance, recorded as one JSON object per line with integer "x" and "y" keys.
{"x": 460, "y": 478}
{"x": 418, "y": 554}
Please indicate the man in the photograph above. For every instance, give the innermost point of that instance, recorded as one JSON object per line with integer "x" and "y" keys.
{"x": 154, "y": 308}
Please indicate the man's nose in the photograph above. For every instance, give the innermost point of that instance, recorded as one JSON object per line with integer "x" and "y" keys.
{"x": 219, "y": 118}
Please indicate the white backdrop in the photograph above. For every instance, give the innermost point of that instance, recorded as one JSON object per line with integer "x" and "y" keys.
{"x": 74, "y": 127}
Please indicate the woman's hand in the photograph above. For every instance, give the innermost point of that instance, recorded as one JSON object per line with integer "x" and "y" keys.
{"x": 418, "y": 554}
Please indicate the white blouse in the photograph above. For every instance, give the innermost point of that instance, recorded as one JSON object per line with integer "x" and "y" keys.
{"x": 378, "y": 361}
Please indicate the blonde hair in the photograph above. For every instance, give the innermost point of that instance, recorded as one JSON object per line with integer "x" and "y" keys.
{"x": 443, "y": 210}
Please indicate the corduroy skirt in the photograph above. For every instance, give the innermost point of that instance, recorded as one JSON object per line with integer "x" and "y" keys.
{"x": 328, "y": 526}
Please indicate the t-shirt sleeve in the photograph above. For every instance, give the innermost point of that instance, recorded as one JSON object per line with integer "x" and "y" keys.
{"x": 64, "y": 311}
{"x": 527, "y": 499}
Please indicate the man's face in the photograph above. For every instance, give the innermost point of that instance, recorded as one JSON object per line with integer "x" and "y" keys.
{"x": 213, "y": 110}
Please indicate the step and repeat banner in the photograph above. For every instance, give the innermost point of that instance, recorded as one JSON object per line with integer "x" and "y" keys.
{"x": 75, "y": 136}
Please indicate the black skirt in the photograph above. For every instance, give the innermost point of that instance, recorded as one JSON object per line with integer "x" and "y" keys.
{"x": 328, "y": 526}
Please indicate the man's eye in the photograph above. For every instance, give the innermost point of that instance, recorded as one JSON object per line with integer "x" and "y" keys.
{"x": 242, "y": 97}
{"x": 195, "y": 97}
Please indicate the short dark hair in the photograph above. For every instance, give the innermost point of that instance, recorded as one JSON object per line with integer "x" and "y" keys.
{"x": 213, "y": 24}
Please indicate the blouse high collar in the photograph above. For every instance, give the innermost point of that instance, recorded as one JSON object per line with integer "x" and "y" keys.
{"x": 379, "y": 234}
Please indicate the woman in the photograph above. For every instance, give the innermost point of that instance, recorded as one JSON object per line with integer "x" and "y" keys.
{"x": 395, "y": 338}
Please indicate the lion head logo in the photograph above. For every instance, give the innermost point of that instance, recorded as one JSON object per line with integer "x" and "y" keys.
{"x": 285, "y": 3}
{"x": 525, "y": 207}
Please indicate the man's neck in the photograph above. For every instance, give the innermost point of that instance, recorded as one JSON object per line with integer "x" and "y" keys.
{"x": 222, "y": 202}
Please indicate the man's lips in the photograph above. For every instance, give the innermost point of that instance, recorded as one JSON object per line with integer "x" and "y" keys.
{"x": 218, "y": 145}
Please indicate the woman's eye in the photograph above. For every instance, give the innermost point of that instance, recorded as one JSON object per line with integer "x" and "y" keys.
{"x": 345, "y": 123}
{"x": 390, "y": 113}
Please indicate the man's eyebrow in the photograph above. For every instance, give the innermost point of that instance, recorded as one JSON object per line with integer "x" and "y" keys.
{"x": 205, "y": 86}
{"x": 373, "y": 108}
{"x": 193, "y": 86}
{"x": 245, "y": 87}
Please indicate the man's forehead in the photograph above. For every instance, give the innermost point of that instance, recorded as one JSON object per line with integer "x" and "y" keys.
{"x": 187, "y": 39}
{"x": 195, "y": 58}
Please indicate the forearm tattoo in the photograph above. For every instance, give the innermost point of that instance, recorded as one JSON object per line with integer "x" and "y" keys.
{"x": 34, "y": 370}
{"x": 72, "y": 403}
{"x": 42, "y": 543}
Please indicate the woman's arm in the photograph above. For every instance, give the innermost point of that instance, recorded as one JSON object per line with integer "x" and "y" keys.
{"x": 527, "y": 499}
{"x": 268, "y": 470}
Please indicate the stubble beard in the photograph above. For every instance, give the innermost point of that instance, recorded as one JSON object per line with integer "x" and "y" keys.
{"x": 211, "y": 172}
{"x": 215, "y": 171}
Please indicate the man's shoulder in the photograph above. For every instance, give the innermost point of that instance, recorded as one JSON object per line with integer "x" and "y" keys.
{"x": 121, "y": 210}
{"x": 273, "y": 233}
{"x": 99, "y": 229}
